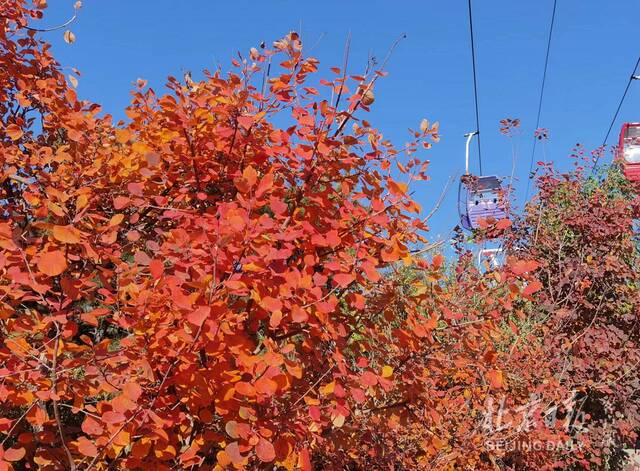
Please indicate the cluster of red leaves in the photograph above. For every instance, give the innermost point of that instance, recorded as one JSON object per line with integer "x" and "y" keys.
{"x": 227, "y": 281}
{"x": 504, "y": 370}
{"x": 190, "y": 289}
{"x": 581, "y": 232}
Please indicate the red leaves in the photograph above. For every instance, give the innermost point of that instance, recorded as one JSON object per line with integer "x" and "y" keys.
{"x": 111, "y": 417}
{"x": 156, "y": 268}
{"x": 520, "y": 267}
{"x": 247, "y": 181}
{"x": 120, "y": 202}
{"x": 343, "y": 279}
{"x": 271, "y": 304}
{"x": 503, "y": 224}
{"x": 304, "y": 461}
{"x": 531, "y": 288}
{"x": 265, "y": 450}
{"x": 91, "y": 426}
{"x": 436, "y": 263}
{"x": 199, "y": 315}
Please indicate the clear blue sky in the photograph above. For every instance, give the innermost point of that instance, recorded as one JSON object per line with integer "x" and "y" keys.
{"x": 594, "y": 47}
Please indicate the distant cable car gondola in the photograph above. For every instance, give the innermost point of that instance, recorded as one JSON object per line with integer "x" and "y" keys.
{"x": 493, "y": 258}
{"x": 479, "y": 197}
{"x": 629, "y": 151}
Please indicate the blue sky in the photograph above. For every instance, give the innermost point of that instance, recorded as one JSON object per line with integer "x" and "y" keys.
{"x": 593, "y": 49}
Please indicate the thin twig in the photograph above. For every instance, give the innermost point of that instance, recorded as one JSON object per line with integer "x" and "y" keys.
{"x": 445, "y": 190}
{"x": 54, "y": 388}
{"x": 371, "y": 82}
{"x": 17, "y": 422}
{"x": 312, "y": 387}
{"x": 54, "y": 28}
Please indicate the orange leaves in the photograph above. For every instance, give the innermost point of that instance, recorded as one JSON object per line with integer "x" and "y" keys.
{"x": 236, "y": 221}
{"x": 393, "y": 252}
{"x": 274, "y": 306}
{"x": 495, "y": 379}
{"x": 343, "y": 279}
{"x": 245, "y": 389}
{"x": 397, "y": 189}
{"x": 231, "y": 455}
{"x": 87, "y": 447}
{"x": 52, "y": 263}
{"x": 247, "y": 181}
{"x": 14, "y": 132}
{"x": 207, "y": 276}
{"x": 66, "y": 234}
{"x": 123, "y": 136}
{"x": 13, "y": 454}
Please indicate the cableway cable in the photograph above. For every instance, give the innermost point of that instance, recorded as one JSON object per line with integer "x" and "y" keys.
{"x": 544, "y": 80}
{"x": 475, "y": 84}
{"x": 632, "y": 77}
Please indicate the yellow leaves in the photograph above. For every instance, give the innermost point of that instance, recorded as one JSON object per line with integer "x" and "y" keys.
{"x": 116, "y": 220}
{"x": 55, "y": 209}
{"x": 52, "y": 263}
{"x": 82, "y": 201}
{"x": 69, "y": 37}
{"x": 327, "y": 388}
{"x": 14, "y": 132}
{"x": 387, "y": 371}
{"x": 168, "y": 135}
{"x": 141, "y": 148}
{"x": 73, "y": 80}
{"x": 66, "y": 234}
{"x": 424, "y": 125}
{"x": 338, "y": 420}
{"x": 251, "y": 267}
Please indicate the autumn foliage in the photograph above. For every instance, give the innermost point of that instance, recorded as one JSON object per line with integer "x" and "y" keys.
{"x": 234, "y": 278}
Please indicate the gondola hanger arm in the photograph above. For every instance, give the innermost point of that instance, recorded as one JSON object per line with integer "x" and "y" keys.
{"x": 469, "y": 136}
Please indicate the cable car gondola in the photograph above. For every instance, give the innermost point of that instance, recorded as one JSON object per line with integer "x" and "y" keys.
{"x": 629, "y": 151}
{"x": 479, "y": 197}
